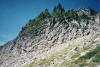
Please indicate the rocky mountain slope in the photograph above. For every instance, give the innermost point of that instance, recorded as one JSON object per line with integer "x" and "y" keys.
{"x": 63, "y": 38}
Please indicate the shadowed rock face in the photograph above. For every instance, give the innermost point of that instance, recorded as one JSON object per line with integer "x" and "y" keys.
{"x": 43, "y": 35}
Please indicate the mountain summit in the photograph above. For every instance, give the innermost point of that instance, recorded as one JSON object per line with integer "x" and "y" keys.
{"x": 63, "y": 38}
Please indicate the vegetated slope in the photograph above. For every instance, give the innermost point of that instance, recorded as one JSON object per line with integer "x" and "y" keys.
{"x": 81, "y": 52}
{"x": 41, "y": 35}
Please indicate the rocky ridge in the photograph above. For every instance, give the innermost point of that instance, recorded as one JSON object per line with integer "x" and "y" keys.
{"x": 40, "y": 37}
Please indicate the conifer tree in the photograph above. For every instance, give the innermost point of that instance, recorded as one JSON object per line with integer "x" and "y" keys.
{"x": 46, "y": 13}
{"x": 58, "y": 11}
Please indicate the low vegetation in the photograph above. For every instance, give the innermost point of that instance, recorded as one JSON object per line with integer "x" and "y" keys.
{"x": 94, "y": 54}
{"x": 67, "y": 57}
{"x": 58, "y": 11}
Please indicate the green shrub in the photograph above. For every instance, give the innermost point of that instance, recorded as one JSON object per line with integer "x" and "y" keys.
{"x": 91, "y": 54}
{"x": 88, "y": 55}
{"x": 95, "y": 52}
{"x": 71, "y": 15}
{"x": 97, "y": 58}
{"x": 83, "y": 17}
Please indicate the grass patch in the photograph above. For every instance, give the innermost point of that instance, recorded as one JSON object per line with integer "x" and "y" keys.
{"x": 43, "y": 61}
{"x": 89, "y": 55}
{"x": 48, "y": 61}
{"x": 76, "y": 55}
{"x": 64, "y": 63}
{"x": 83, "y": 64}
{"x": 96, "y": 58}
{"x": 87, "y": 47}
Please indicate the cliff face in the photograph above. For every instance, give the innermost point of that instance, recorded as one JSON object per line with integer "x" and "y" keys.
{"x": 40, "y": 36}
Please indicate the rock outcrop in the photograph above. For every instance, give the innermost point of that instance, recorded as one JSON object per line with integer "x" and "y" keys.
{"x": 35, "y": 39}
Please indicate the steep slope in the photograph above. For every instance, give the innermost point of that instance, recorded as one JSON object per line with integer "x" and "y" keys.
{"x": 80, "y": 52}
{"x": 49, "y": 33}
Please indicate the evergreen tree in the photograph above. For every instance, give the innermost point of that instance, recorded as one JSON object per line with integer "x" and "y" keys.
{"x": 46, "y": 13}
{"x": 58, "y": 11}
{"x": 41, "y": 16}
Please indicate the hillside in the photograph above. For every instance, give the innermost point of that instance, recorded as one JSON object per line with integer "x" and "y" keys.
{"x": 62, "y": 38}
